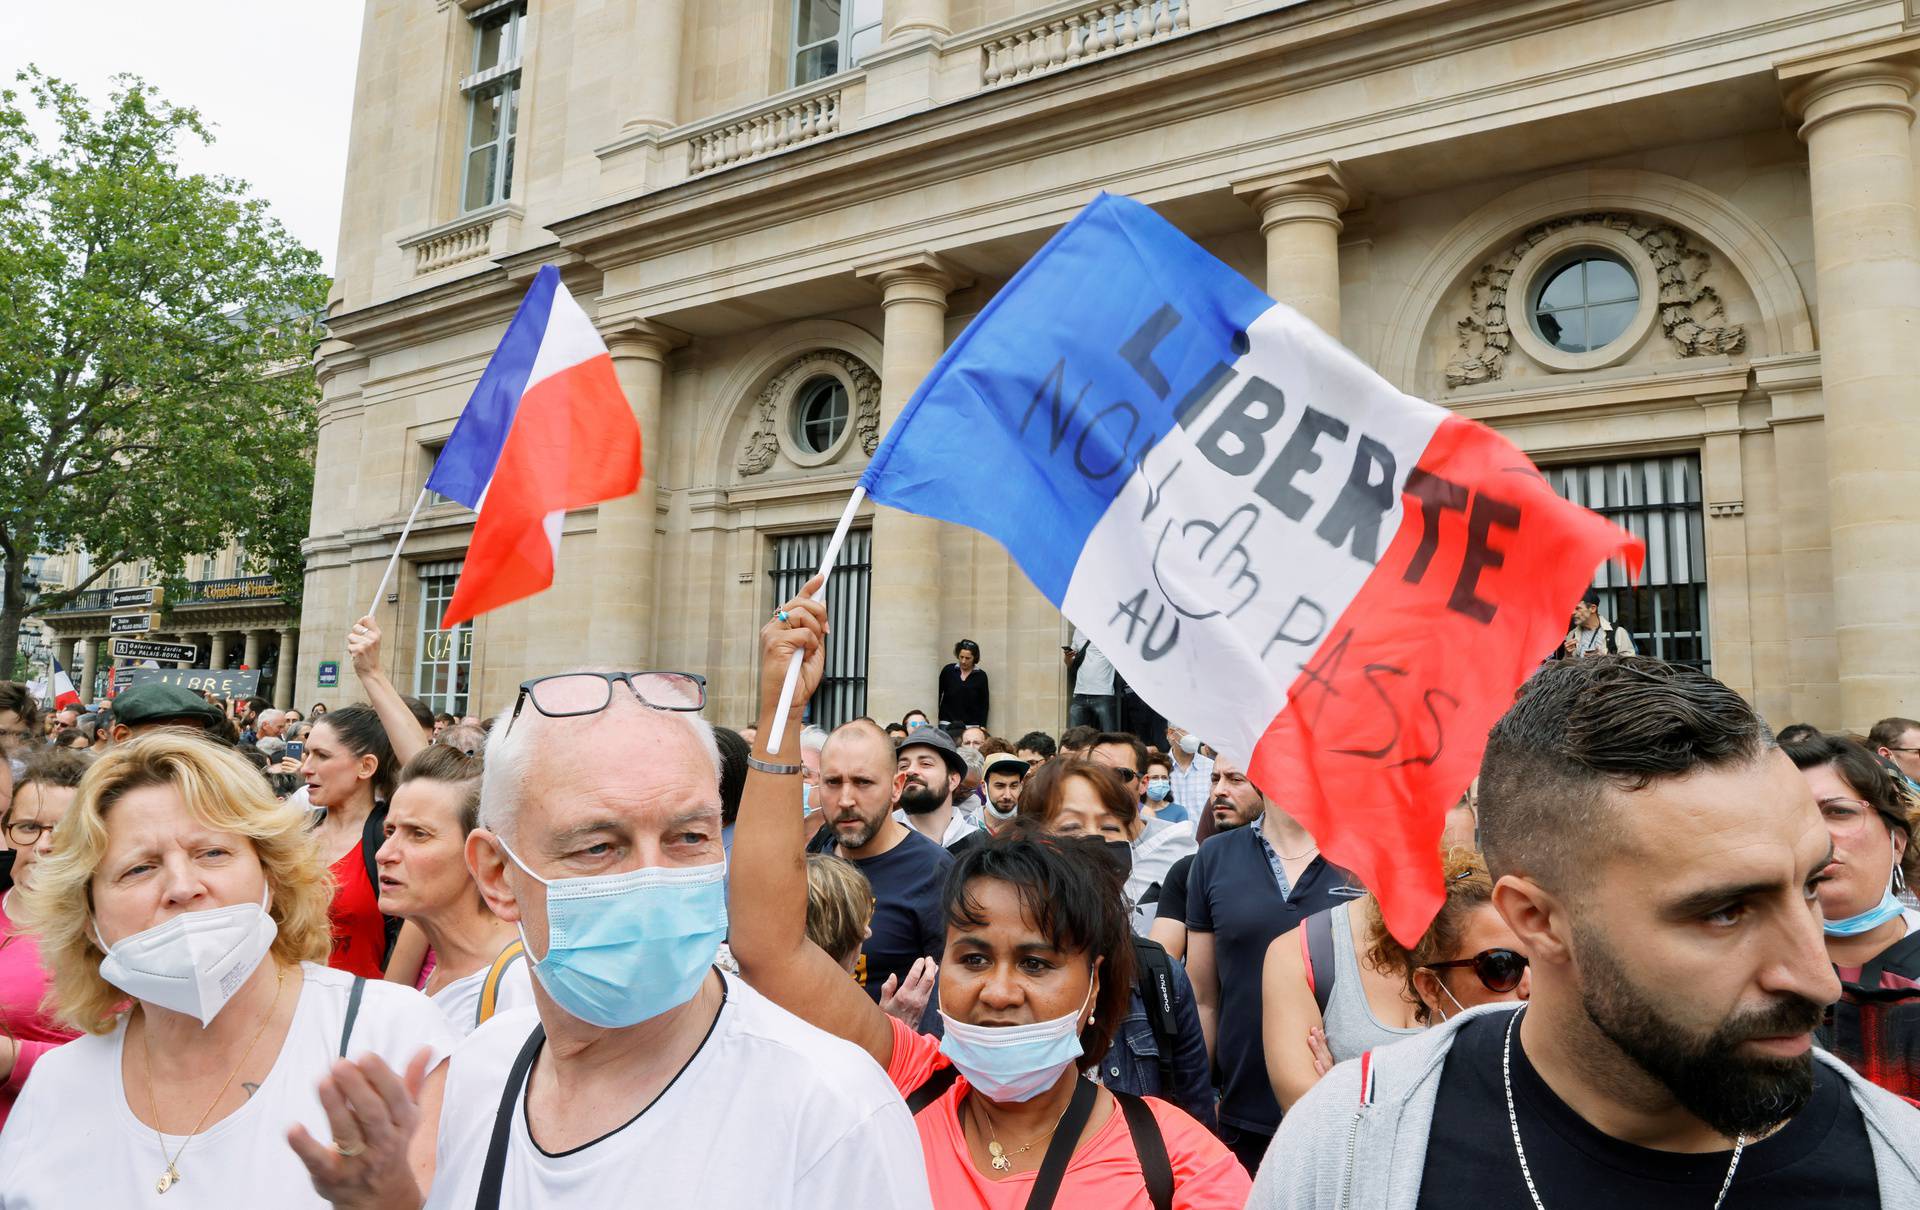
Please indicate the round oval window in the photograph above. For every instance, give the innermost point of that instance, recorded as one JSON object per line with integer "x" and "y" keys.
{"x": 819, "y": 414}
{"x": 1586, "y": 303}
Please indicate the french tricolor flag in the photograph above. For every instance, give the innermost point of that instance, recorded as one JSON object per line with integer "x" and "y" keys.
{"x": 64, "y": 694}
{"x": 1334, "y": 583}
{"x": 547, "y": 429}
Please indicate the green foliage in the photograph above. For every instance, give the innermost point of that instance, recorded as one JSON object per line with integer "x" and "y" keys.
{"x": 156, "y": 332}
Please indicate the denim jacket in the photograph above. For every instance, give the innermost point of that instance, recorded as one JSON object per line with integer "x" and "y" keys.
{"x": 1132, "y": 1063}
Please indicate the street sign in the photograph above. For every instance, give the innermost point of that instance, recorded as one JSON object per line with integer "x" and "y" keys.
{"x": 228, "y": 684}
{"x": 140, "y": 649}
{"x": 131, "y": 623}
{"x": 329, "y": 673}
{"x": 135, "y": 598}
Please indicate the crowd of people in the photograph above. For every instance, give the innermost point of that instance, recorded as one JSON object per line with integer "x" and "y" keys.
{"x": 596, "y": 945}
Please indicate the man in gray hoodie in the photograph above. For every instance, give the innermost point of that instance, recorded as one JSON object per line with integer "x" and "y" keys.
{"x": 1656, "y": 856}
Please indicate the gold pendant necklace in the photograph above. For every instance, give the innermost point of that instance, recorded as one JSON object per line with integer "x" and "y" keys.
{"x": 171, "y": 1176}
{"x": 1002, "y": 1159}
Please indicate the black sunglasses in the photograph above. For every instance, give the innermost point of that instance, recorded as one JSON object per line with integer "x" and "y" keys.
{"x": 1499, "y": 970}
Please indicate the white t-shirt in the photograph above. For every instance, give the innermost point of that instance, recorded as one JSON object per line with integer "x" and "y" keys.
{"x": 769, "y": 1114}
{"x": 1096, "y": 671}
{"x": 460, "y": 1000}
{"x": 1161, "y": 843}
{"x": 72, "y": 1140}
{"x": 958, "y": 827}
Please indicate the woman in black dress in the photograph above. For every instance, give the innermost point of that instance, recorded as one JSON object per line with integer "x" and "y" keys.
{"x": 963, "y": 690}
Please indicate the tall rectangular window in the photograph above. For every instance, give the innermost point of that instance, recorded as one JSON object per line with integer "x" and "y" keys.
{"x": 1658, "y": 500}
{"x": 831, "y": 36}
{"x": 842, "y": 696}
{"x": 493, "y": 103}
{"x": 443, "y": 674}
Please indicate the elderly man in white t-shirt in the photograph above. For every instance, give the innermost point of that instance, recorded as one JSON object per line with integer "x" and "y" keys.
{"x": 642, "y": 1071}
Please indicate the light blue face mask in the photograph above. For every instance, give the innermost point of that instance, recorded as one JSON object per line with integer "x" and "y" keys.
{"x": 622, "y": 948}
{"x": 1159, "y": 789}
{"x": 1014, "y": 1062}
{"x": 1875, "y": 916}
{"x": 806, "y": 800}
{"x": 1866, "y": 921}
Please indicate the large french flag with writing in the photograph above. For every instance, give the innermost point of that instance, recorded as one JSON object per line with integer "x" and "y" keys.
{"x": 1333, "y": 582}
{"x": 547, "y": 429}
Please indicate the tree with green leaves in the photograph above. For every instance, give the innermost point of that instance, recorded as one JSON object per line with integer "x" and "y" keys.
{"x": 156, "y": 338}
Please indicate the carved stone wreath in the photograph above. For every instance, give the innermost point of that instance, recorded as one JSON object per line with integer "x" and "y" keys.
{"x": 762, "y": 444}
{"x": 1685, "y": 303}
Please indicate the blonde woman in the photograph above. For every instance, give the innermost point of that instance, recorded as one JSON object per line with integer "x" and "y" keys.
{"x": 183, "y": 918}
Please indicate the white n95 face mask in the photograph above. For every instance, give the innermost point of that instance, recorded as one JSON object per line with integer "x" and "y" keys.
{"x": 193, "y": 963}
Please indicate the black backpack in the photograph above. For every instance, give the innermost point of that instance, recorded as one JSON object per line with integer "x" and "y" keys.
{"x": 1153, "y": 976}
{"x": 1316, "y": 944}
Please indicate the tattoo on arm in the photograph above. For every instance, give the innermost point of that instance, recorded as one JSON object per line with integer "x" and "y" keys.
{"x": 251, "y": 1087}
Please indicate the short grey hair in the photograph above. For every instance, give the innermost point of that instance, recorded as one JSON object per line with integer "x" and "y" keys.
{"x": 269, "y": 717}
{"x": 976, "y": 763}
{"x": 812, "y": 738}
{"x": 511, "y": 742}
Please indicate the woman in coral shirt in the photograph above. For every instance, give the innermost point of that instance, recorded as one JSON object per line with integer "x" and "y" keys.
{"x": 1033, "y": 987}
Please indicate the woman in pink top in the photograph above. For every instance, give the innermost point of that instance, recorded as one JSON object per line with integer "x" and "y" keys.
{"x": 42, "y": 796}
{"x": 1033, "y": 987}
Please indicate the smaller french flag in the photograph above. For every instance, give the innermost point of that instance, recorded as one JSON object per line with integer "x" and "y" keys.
{"x": 547, "y": 429}
{"x": 64, "y": 694}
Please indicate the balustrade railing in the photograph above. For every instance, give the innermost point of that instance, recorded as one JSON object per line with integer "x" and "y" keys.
{"x": 1090, "y": 32}
{"x": 779, "y": 126}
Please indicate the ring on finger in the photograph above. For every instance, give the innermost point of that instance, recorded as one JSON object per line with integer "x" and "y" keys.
{"x": 781, "y": 615}
{"x": 346, "y": 1152}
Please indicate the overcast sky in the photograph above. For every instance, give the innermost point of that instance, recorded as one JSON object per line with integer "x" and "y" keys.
{"x": 273, "y": 78}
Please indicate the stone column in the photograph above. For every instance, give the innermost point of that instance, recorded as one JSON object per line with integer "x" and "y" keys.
{"x": 904, "y": 647}
{"x": 655, "y": 74}
{"x": 622, "y": 624}
{"x": 251, "y": 656}
{"x": 1856, "y": 121}
{"x": 1300, "y": 218}
{"x": 63, "y": 651}
{"x": 903, "y": 19}
{"x": 217, "y": 651}
{"x": 89, "y": 666}
{"x": 286, "y": 668}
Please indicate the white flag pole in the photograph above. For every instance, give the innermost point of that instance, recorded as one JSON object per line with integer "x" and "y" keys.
{"x": 792, "y": 682}
{"x": 394, "y": 562}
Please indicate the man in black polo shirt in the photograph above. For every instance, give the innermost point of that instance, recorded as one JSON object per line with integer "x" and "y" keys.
{"x": 1247, "y": 887}
{"x": 1658, "y": 862}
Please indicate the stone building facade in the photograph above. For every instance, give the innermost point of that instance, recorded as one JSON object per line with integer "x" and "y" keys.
{"x": 233, "y": 618}
{"x": 1672, "y": 254}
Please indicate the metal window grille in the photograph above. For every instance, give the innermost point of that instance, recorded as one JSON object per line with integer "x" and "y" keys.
{"x": 443, "y": 672}
{"x": 1658, "y": 500}
{"x": 842, "y": 695}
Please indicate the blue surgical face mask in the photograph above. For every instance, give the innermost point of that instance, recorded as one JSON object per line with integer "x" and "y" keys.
{"x": 622, "y": 948}
{"x": 806, "y": 800}
{"x": 1158, "y": 789}
{"x": 1013, "y": 1062}
{"x": 1875, "y": 916}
